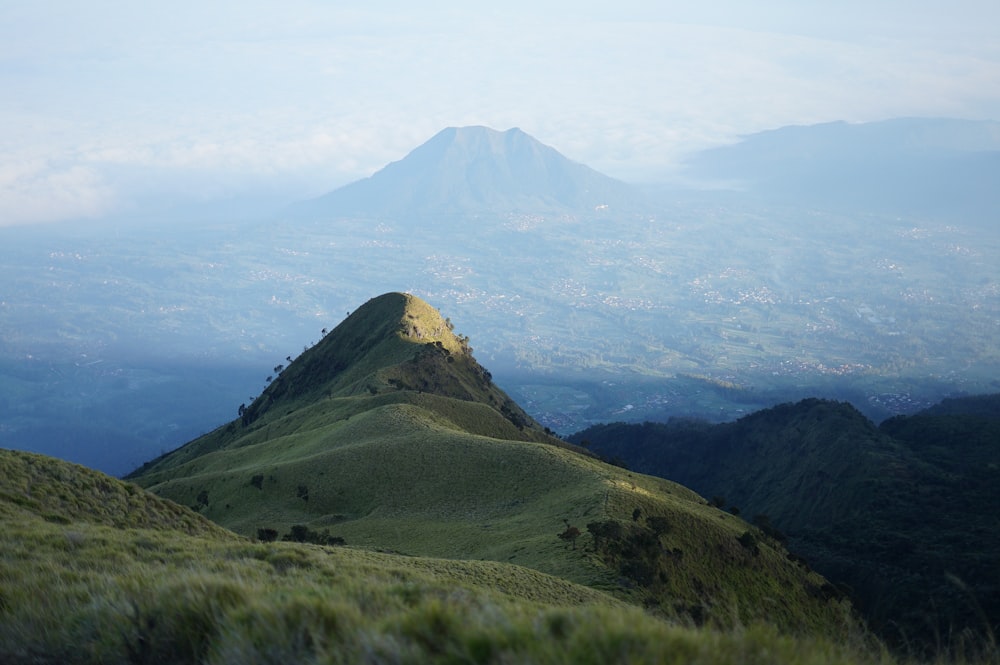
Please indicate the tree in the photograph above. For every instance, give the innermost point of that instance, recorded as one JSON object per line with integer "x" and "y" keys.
{"x": 298, "y": 534}
{"x": 604, "y": 531}
{"x": 570, "y": 534}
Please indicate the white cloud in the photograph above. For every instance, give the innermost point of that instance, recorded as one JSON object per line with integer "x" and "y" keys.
{"x": 41, "y": 192}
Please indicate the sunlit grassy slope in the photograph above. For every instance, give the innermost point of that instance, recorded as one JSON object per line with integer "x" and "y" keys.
{"x": 389, "y": 435}
{"x": 84, "y": 581}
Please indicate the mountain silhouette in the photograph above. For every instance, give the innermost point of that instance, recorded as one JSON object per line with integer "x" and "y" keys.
{"x": 904, "y": 165}
{"x": 471, "y": 170}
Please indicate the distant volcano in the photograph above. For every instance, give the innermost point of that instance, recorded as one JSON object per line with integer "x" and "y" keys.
{"x": 471, "y": 170}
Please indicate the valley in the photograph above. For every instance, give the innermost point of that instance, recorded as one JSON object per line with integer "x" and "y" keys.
{"x": 699, "y": 309}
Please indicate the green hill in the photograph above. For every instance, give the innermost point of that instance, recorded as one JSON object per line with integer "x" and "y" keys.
{"x": 95, "y": 585}
{"x": 904, "y": 514}
{"x": 63, "y": 493}
{"x": 388, "y": 435}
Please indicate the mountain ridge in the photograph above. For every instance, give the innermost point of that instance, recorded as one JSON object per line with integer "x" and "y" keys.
{"x": 397, "y": 440}
{"x": 394, "y": 349}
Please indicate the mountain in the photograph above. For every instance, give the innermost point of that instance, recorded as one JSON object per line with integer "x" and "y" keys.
{"x": 923, "y": 166}
{"x": 477, "y": 170}
{"x": 388, "y": 435}
{"x": 903, "y": 514}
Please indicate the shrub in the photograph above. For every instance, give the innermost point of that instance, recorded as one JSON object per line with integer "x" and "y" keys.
{"x": 300, "y": 533}
{"x": 749, "y": 541}
{"x": 267, "y": 535}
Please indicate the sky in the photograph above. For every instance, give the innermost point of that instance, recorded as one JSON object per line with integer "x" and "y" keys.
{"x": 115, "y": 107}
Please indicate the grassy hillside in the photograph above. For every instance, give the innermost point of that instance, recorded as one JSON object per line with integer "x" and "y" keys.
{"x": 99, "y": 586}
{"x": 389, "y": 435}
{"x": 904, "y": 514}
{"x": 64, "y": 493}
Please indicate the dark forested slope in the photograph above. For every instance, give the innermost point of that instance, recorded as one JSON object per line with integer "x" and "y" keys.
{"x": 904, "y": 514}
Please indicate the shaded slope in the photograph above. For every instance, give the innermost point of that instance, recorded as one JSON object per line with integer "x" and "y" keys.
{"x": 397, "y": 448}
{"x": 897, "y": 512}
{"x": 63, "y": 493}
{"x": 467, "y": 170}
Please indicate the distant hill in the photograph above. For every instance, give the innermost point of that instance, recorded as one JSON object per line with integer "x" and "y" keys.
{"x": 903, "y": 514}
{"x": 388, "y": 434}
{"x": 985, "y": 406}
{"x": 477, "y": 170}
{"x": 913, "y": 166}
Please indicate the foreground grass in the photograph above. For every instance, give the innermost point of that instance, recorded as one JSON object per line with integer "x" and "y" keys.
{"x": 84, "y": 584}
{"x": 86, "y": 593}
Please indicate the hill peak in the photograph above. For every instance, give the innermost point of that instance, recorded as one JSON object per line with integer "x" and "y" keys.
{"x": 394, "y": 349}
{"x": 393, "y": 344}
{"x": 478, "y": 170}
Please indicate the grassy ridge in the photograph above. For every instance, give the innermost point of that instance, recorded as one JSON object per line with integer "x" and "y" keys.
{"x": 402, "y": 478}
{"x": 389, "y": 435}
{"x": 87, "y": 592}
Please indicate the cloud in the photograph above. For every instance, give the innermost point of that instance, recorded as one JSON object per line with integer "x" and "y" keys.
{"x": 37, "y": 191}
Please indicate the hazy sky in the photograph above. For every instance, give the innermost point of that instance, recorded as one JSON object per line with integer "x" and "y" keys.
{"x": 108, "y": 106}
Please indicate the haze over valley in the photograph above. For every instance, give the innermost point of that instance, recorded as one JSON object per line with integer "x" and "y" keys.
{"x": 590, "y": 300}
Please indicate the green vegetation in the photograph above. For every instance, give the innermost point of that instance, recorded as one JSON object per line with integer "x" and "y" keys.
{"x": 902, "y": 516}
{"x": 64, "y": 493}
{"x": 459, "y": 534}
{"x": 76, "y": 589}
{"x": 389, "y": 435}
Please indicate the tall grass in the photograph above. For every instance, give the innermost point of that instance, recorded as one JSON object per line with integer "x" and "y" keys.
{"x": 83, "y": 593}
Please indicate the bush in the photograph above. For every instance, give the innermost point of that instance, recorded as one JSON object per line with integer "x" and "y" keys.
{"x": 300, "y": 533}
{"x": 749, "y": 541}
